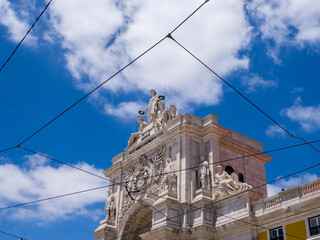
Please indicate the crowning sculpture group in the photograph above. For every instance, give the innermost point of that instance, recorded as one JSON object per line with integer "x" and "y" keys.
{"x": 157, "y": 115}
{"x": 153, "y": 175}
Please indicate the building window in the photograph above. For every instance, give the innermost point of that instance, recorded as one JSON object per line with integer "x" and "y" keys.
{"x": 314, "y": 224}
{"x": 276, "y": 234}
{"x": 229, "y": 170}
{"x": 241, "y": 178}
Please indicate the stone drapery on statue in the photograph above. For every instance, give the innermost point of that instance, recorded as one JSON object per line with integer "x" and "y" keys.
{"x": 153, "y": 106}
{"x": 147, "y": 178}
{"x": 110, "y": 208}
{"x": 169, "y": 182}
{"x": 226, "y": 185}
{"x": 135, "y": 136}
{"x": 157, "y": 115}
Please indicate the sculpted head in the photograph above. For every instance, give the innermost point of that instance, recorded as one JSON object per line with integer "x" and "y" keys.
{"x": 161, "y": 105}
{"x": 153, "y": 92}
{"x": 140, "y": 119}
{"x": 173, "y": 109}
{"x": 219, "y": 169}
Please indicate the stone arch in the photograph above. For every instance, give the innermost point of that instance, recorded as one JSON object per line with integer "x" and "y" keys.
{"x": 138, "y": 220}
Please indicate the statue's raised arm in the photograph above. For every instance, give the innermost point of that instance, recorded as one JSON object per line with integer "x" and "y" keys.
{"x": 152, "y": 107}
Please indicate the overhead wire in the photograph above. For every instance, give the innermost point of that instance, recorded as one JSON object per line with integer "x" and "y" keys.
{"x": 7, "y": 149}
{"x": 175, "y": 171}
{"x": 121, "y": 184}
{"x": 61, "y": 162}
{"x": 232, "y": 196}
{"x": 19, "y": 145}
{"x": 112, "y": 76}
{"x": 51, "y": 198}
{"x": 12, "y": 235}
{"x": 237, "y": 91}
{"x": 24, "y": 37}
{"x": 211, "y": 204}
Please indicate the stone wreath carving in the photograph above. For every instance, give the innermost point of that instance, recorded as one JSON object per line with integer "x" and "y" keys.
{"x": 226, "y": 185}
{"x": 147, "y": 178}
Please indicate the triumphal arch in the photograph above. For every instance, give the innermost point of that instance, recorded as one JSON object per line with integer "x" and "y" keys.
{"x": 182, "y": 177}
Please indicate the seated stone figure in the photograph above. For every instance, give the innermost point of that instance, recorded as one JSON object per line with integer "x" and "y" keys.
{"x": 162, "y": 116}
{"x": 226, "y": 185}
{"x": 134, "y": 136}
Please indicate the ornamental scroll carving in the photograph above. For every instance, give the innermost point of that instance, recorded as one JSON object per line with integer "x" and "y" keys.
{"x": 148, "y": 178}
{"x": 226, "y": 185}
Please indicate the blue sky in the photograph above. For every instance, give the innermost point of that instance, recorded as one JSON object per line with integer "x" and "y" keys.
{"x": 268, "y": 50}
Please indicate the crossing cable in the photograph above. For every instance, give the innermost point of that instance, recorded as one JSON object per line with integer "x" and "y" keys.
{"x": 54, "y": 197}
{"x": 237, "y": 91}
{"x": 210, "y": 205}
{"x": 194, "y": 208}
{"x": 112, "y": 76}
{"x": 204, "y": 209}
{"x": 235, "y": 219}
{"x": 34, "y": 23}
{"x": 12, "y": 235}
{"x": 7, "y": 149}
{"x": 259, "y": 186}
{"x": 175, "y": 171}
{"x": 58, "y": 161}
{"x": 121, "y": 184}
{"x": 256, "y": 225}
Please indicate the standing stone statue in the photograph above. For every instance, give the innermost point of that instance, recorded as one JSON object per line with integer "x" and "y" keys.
{"x": 204, "y": 174}
{"x": 152, "y": 107}
{"x": 170, "y": 179}
{"x": 110, "y": 208}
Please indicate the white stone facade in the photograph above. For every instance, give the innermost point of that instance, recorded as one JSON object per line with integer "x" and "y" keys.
{"x": 170, "y": 185}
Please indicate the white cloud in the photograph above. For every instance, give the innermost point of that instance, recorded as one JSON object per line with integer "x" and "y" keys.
{"x": 101, "y": 37}
{"x": 254, "y": 81}
{"x": 37, "y": 180}
{"x": 124, "y": 110}
{"x": 16, "y": 26}
{"x": 296, "y": 90}
{"x": 307, "y": 116}
{"x": 277, "y": 187}
{"x": 292, "y": 22}
{"x": 275, "y": 130}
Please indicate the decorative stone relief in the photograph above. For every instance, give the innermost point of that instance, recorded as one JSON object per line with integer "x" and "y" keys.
{"x": 226, "y": 185}
{"x": 148, "y": 178}
{"x": 110, "y": 208}
{"x": 205, "y": 174}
